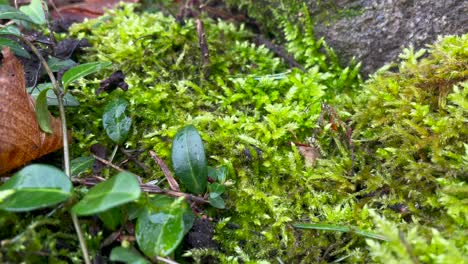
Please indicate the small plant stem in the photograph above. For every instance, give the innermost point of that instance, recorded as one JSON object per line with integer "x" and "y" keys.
{"x": 165, "y": 260}
{"x": 66, "y": 153}
{"x": 113, "y": 153}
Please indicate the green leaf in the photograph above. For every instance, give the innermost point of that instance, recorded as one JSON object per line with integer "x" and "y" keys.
{"x": 118, "y": 190}
{"x": 10, "y": 30}
{"x": 8, "y": 12}
{"x": 222, "y": 174}
{"x": 56, "y": 64}
{"x": 15, "y": 47}
{"x": 127, "y": 255}
{"x": 159, "y": 231}
{"x": 189, "y": 161}
{"x": 81, "y": 71}
{"x": 42, "y": 113}
{"x": 340, "y": 228}
{"x": 111, "y": 218}
{"x": 35, "y": 12}
{"x": 35, "y": 186}
{"x": 68, "y": 99}
{"x": 212, "y": 173}
{"x": 80, "y": 165}
{"x": 216, "y": 201}
{"x": 115, "y": 122}
{"x": 216, "y": 188}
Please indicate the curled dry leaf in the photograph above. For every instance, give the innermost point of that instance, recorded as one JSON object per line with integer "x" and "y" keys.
{"x": 310, "y": 153}
{"x": 21, "y": 139}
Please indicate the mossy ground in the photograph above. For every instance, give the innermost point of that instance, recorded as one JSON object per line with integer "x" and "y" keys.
{"x": 393, "y": 151}
{"x": 407, "y": 161}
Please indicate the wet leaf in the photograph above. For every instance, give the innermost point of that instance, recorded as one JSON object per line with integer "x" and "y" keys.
{"x": 42, "y": 113}
{"x": 118, "y": 190}
{"x": 15, "y": 47}
{"x": 68, "y": 99}
{"x": 216, "y": 201}
{"x": 56, "y": 64}
{"x": 8, "y": 12}
{"x": 115, "y": 122}
{"x": 216, "y": 188}
{"x": 35, "y": 186}
{"x": 80, "y": 165}
{"x": 10, "y": 30}
{"x": 127, "y": 255}
{"x": 222, "y": 174}
{"x": 340, "y": 228}
{"x": 111, "y": 218}
{"x": 189, "y": 161}
{"x": 81, "y": 71}
{"x": 35, "y": 12}
{"x": 159, "y": 231}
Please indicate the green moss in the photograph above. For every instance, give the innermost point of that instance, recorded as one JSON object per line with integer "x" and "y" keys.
{"x": 408, "y": 150}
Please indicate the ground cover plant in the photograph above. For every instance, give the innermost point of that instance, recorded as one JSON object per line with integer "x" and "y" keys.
{"x": 304, "y": 164}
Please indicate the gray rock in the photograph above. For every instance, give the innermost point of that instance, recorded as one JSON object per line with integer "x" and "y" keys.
{"x": 375, "y": 31}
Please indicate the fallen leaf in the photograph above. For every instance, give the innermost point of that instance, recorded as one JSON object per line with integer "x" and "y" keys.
{"x": 21, "y": 139}
{"x": 117, "y": 79}
{"x": 310, "y": 154}
{"x": 87, "y": 9}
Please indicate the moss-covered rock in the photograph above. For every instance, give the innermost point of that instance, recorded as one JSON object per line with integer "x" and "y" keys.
{"x": 406, "y": 160}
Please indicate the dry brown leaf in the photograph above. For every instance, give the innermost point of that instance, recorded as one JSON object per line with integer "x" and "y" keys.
{"x": 87, "y": 9}
{"x": 311, "y": 154}
{"x": 21, "y": 139}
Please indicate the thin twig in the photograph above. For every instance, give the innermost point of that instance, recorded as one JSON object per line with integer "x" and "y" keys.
{"x": 205, "y": 55}
{"x": 48, "y": 18}
{"x": 172, "y": 182}
{"x": 134, "y": 159}
{"x": 66, "y": 152}
{"x": 148, "y": 187}
{"x": 108, "y": 163}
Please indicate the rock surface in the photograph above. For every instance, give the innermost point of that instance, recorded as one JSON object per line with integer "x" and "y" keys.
{"x": 375, "y": 31}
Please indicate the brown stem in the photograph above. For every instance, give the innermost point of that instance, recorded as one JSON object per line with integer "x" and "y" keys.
{"x": 66, "y": 153}
{"x": 205, "y": 54}
{"x": 172, "y": 182}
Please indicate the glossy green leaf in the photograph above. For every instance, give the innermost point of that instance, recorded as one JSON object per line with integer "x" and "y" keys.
{"x": 216, "y": 201}
{"x": 222, "y": 174}
{"x": 81, "y": 71}
{"x": 8, "y": 12}
{"x": 212, "y": 173}
{"x": 216, "y": 188}
{"x": 35, "y": 12}
{"x": 115, "y": 122}
{"x": 15, "y": 47}
{"x": 159, "y": 232}
{"x": 35, "y": 186}
{"x": 127, "y": 255}
{"x": 80, "y": 165}
{"x": 118, "y": 190}
{"x": 56, "y": 64}
{"x": 189, "y": 161}
{"x": 68, "y": 99}
{"x": 42, "y": 113}
{"x": 112, "y": 218}
{"x": 340, "y": 228}
{"x": 10, "y": 30}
